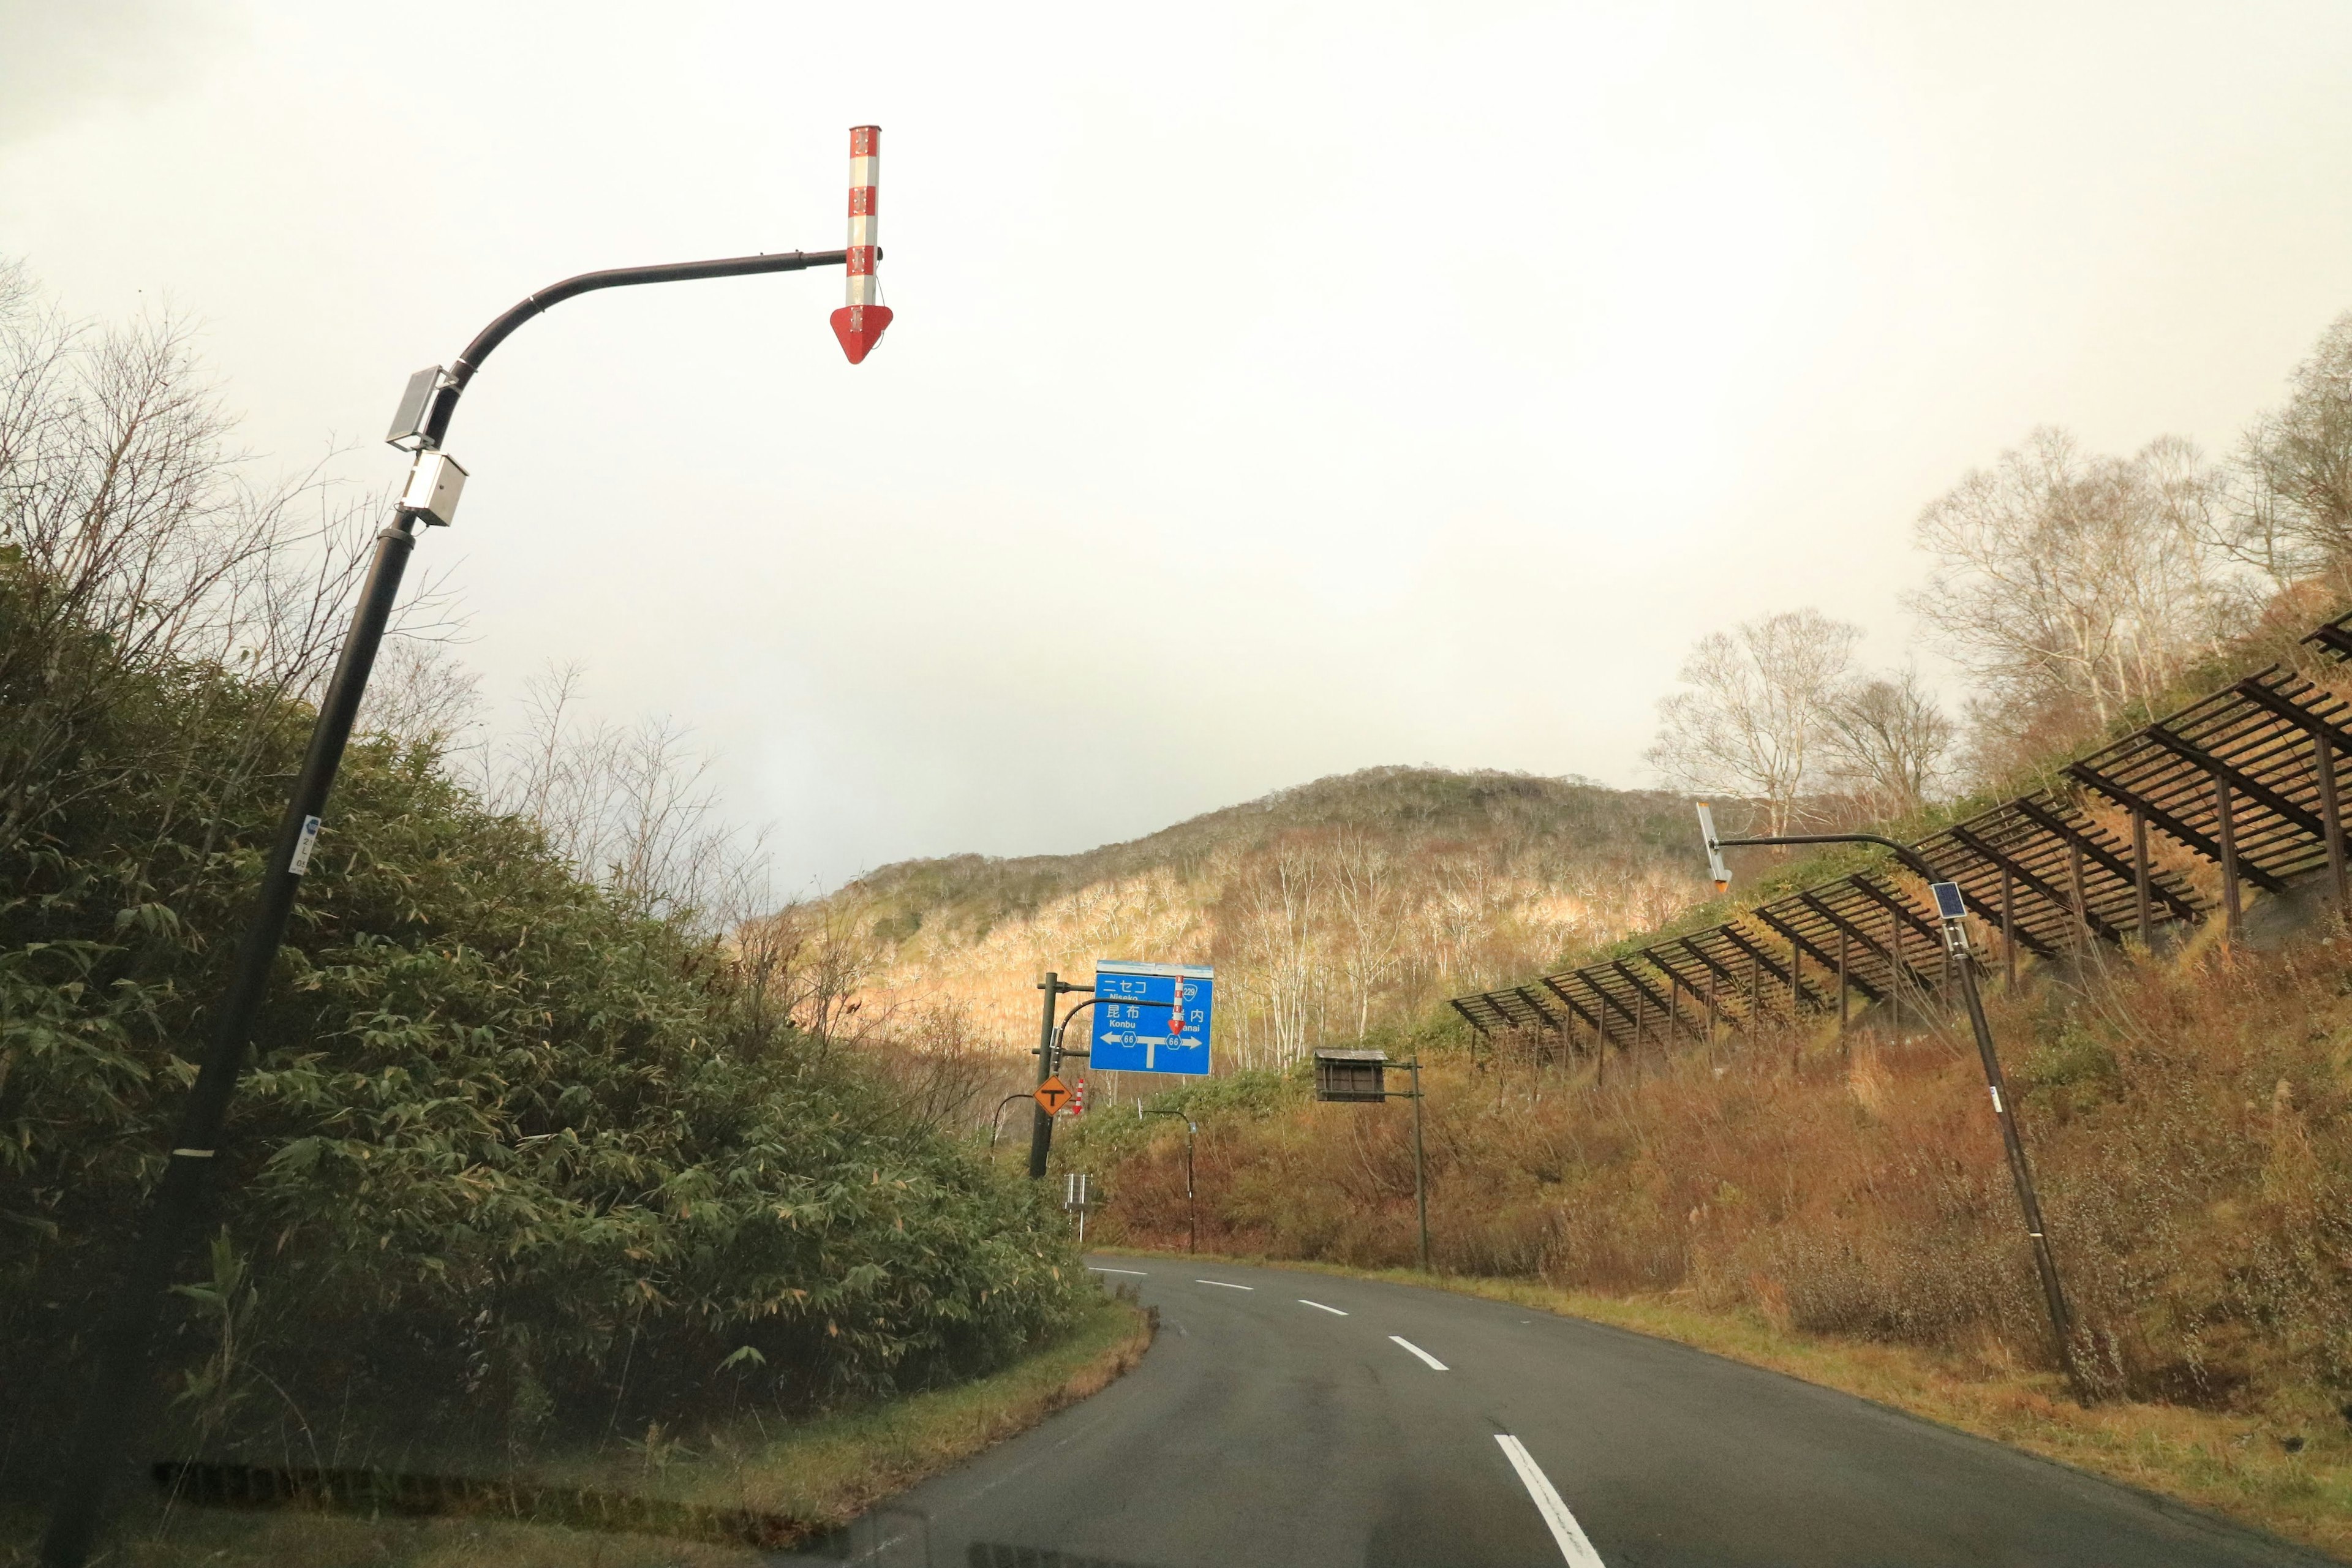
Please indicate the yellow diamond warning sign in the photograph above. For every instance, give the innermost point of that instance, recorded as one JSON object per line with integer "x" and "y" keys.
{"x": 1052, "y": 1095}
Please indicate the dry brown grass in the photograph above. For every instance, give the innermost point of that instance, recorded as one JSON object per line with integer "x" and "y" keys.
{"x": 2190, "y": 1120}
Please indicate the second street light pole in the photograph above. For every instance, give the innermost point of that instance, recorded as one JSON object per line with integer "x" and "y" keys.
{"x": 1952, "y": 909}
{"x": 1420, "y": 1168}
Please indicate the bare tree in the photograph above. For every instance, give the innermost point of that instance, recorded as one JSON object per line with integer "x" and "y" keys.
{"x": 133, "y": 544}
{"x": 2289, "y": 508}
{"x": 632, "y": 807}
{"x": 2072, "y": 583}
{"x": 939, "y": 1062}
{"x": 1280, "y": 894}
{"x": 1888, "y": 742}
{"x": 814, "y": 958}
{"x": 1366, "y": 898}
{"x": 419, "y": 694}
{"x": 1752, "y": 713}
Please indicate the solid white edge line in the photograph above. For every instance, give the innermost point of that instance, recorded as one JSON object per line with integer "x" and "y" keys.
{"x": 1321, "y": 1307}
{"x": 1099, "y": 1268}
{"x": 1569, "y": 1534}
{"x": 1436, "y": 1364}
{"x": 1222, "y": 1286}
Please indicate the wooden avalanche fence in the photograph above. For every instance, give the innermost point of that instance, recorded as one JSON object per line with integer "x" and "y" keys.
{"x": 2242, "y": 786}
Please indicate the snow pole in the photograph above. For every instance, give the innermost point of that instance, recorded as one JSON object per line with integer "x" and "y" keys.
{"x": 859, "y": 322}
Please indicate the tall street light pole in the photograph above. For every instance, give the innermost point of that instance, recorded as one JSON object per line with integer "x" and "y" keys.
{"x": 1952, "y": 910}
{"x": 118, "y": 1394}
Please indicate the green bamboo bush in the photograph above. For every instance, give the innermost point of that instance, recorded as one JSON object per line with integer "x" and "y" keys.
{"x": 518, "y": 1162}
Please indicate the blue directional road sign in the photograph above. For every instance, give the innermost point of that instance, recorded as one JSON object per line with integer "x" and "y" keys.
{"x": 1132, "y": 1038}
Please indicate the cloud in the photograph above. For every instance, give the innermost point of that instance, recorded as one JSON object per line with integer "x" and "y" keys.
{"x": 60, "y": 61}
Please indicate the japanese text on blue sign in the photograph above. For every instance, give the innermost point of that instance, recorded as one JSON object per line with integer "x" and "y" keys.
{"x": 1133, "y": 1036}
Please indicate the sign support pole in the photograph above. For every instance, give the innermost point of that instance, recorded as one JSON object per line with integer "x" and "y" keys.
{"x": 1041, "y": 1125}
{"x": 1420, "y": 1168}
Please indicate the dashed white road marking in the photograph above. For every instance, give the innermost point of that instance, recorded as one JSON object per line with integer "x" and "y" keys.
{"x": 1565, "y": 1530}
{"x": 1436, "y": 1364}
{"x": 1321, "y": 1307}
{"x": 1222, "y": 1286}
{"x": 1099, "y": 1268}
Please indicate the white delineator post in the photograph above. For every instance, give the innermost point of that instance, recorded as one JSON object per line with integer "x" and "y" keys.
{"x": 858, "y": 324}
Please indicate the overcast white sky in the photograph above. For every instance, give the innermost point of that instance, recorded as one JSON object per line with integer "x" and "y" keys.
{"x": 1277, "y": 389}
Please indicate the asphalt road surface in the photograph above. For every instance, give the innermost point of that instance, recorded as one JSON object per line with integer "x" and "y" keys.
{"x": 1302, "y": 1420}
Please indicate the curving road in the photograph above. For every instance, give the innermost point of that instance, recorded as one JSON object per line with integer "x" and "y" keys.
{"x": 1296, "y": 1419}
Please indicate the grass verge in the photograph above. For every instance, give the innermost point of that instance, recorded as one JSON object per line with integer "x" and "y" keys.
{"x": 818, "y": 1475}
{"x": 2234, "y": 1466}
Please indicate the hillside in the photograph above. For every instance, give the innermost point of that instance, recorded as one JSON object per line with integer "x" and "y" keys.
{"x": 1327, "y": 909}
{"x": 1821, "y": 1188}
{"x": 520, "y": 1160}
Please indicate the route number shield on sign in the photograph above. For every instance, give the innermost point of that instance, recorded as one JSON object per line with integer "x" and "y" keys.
{"x": 1131, "y": 1035}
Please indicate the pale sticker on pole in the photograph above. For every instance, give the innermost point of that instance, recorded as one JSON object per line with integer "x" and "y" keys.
{"x": 299, "y": 862}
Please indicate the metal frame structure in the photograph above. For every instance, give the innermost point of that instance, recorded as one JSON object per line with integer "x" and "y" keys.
{"x": 2247, "y": 781}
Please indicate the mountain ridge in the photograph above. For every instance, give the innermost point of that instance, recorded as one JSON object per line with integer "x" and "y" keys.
{"x": 1328, "y": 906}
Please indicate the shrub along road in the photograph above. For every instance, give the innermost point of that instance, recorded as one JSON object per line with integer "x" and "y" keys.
{"x": 1298, "y": 1419}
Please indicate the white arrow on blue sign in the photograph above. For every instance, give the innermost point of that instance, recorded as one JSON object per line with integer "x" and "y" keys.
{"x": 1130, "y": 1037}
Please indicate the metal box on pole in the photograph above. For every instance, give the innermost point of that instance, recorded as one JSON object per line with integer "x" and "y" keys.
{"x": 434, "y": 485}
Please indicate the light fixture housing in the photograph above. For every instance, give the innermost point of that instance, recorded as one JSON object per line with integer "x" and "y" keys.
{"x": 1715, "y": 869}
{"x": 415, "y": 411}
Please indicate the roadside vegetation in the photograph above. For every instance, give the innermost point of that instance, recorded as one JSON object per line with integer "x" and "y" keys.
{"x": 728, "y": 1494}
{"x": 1839, "y": 1209}
{"x": 535, "y": 1156}
{"x": 1836, "y": 1203}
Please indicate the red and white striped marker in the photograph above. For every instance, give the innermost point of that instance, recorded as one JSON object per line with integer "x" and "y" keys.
{"x": 858, "y": 325}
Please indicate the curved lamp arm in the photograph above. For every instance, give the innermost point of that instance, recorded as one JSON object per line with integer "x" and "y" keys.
{"x": 452, "y": 382}
{"x": 1903, "y": 852}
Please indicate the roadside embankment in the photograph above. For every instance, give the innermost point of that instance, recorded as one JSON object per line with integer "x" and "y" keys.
{"x": 718, "y": 1499}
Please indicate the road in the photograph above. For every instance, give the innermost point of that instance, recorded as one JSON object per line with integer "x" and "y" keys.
{"x": 1298, "y": 1419}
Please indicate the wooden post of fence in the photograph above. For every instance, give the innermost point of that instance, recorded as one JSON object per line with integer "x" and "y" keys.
{"x": 2322, "y": 761}
{"x": 2081, "y": 899}
{"x": 2008, "y": 935}
{"x": 1842, "y": 982}
{"x": 2139, "y": 880}
{"x": 1796, "y": 1003}
{"x": 2224, "y": 809}
{"x": 1894, "y": 975}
